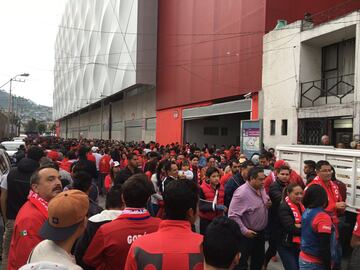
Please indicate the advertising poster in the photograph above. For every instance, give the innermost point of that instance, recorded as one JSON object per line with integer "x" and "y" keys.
{"x": 250, "y": 139}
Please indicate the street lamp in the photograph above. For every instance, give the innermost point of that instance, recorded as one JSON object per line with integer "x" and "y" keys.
{"x": 10, "y": 97}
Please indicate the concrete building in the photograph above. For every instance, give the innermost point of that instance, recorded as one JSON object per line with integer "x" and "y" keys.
{"x": 105, "y": 70}
{"x": 168, "y": 70}
{"x": 311, "y": 80}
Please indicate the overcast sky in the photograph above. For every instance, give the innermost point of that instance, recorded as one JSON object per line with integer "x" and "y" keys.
{"x": 28, "y": 29}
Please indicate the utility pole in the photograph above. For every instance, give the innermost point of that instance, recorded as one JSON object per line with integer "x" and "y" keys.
{"x": 10, "y": 111}
{"x": 10, "y": 97}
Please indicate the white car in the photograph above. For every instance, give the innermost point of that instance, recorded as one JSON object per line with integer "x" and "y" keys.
{"x": 21, "y": 139}
{"x": 11, "y": 147}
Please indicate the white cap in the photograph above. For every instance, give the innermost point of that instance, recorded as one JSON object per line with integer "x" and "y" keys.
{"x": 94, "y": 148}
{"x": 116, "y": 164}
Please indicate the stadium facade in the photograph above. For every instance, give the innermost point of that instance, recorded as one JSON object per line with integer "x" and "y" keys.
{"x": 168, "y": 70}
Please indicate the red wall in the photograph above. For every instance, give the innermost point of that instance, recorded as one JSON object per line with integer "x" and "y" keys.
{"x": 169, "y": 124}
{"x": 255, "y": 107}
{"x": 212, "y": 49}
{"x": 208, "y": 49}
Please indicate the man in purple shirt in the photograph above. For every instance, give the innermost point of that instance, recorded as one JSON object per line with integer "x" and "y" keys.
{"x": 249, "y": 208}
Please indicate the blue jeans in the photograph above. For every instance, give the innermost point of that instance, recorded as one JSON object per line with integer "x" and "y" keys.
{"x": 289, "y": 257}
{"x": 309, "y": 266}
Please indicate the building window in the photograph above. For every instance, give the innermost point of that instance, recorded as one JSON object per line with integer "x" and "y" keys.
{"x": 338, "y": 66}
{"x": 272, "y": 127}
{"x": 284, "y": 127}
{"x": 211, "y": 131}
{"x": 224, "y": 131}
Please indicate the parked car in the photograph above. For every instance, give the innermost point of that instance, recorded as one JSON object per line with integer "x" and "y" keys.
{"x": 11, "y": 147}
{"x": 18, "y": 139}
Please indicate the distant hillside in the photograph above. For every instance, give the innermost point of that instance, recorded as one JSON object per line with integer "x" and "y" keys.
{"x": 26, "y": 108}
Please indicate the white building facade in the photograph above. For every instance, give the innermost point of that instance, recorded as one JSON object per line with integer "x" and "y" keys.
{"x": 310, "y": 83}
{"x": 105, "y": 71}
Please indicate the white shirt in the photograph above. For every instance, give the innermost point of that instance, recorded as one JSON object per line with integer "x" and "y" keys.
{"x": 48, "y": 251}
{"x": 97, "y": 159}
{"x": 156, "y": 196}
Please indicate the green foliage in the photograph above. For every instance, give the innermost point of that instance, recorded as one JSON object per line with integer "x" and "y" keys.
{"x": 31, "y": 126}
{"x": 41, "y": 127}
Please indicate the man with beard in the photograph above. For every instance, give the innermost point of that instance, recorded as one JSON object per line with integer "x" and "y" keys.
{"x": 45, "y": 185}
{"x": 131, "y": 169}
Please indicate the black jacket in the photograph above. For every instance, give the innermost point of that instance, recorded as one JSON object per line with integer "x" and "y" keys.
{"x": 286, "y": 228}
{"x": 124, "y": 175}
{"x": 275, "y": 193}
{"x": 18, "y": 181}
{"x": 94, "y": 223}
{"x": 94, "y": 208}
{"x": 232, "y": 184}
{"x": 165, "y": 182}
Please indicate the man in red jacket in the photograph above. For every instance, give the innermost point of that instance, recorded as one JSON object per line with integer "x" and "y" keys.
{"x": 111, "y": 243}
{"x": 45, "y": 185}
{"x": 174, "y": 246}
{"x": 336, "y": 204}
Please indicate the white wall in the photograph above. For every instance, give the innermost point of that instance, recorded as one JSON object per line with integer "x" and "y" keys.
{"x": 280, "y": 83}
{"x": 101, "y": 49}
{"x": 292, "y": 56}
{"x": 137, "y": 106}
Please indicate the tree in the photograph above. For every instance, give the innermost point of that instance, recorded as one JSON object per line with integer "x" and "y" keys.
{"x": 41, "y": 127}
{"x": 31, "y": 126}
{"x": 53, "y": 128}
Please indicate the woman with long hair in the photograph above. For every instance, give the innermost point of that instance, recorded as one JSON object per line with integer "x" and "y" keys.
{"x": 289, "y": 230}
{"x": 109, "y": 179}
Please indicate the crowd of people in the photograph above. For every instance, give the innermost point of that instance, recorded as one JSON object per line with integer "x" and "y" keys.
{"x": 169, "y": 207}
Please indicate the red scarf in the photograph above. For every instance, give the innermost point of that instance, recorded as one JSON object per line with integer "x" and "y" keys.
{"x": 297, "y": 215}
{"x": 334, "y": 188}
{"x": 39, "y": 203}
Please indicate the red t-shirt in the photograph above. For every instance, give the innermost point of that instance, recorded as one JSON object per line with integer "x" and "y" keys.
{"x": 104, "y": 164}
{"x": 332, "y": 198}
{"x": 111, "y": 243}
{"x": 268, "y": 181}
{"x": 356, "y": 231}
{"x": 54, "y": 155}
{"x": 107, "y": 182}
{"x": 226, "y": 177}
{"x": 91, "y": 157}
{"x": 321, "y": 224}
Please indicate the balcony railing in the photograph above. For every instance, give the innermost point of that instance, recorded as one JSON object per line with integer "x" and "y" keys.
{"x": 327, "y": 91}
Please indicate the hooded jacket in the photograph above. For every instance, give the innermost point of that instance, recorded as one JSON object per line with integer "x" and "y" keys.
{"x": 18, "y": 181}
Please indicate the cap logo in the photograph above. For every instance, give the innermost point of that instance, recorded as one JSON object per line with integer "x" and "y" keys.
{"x": 55, "y": 220}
